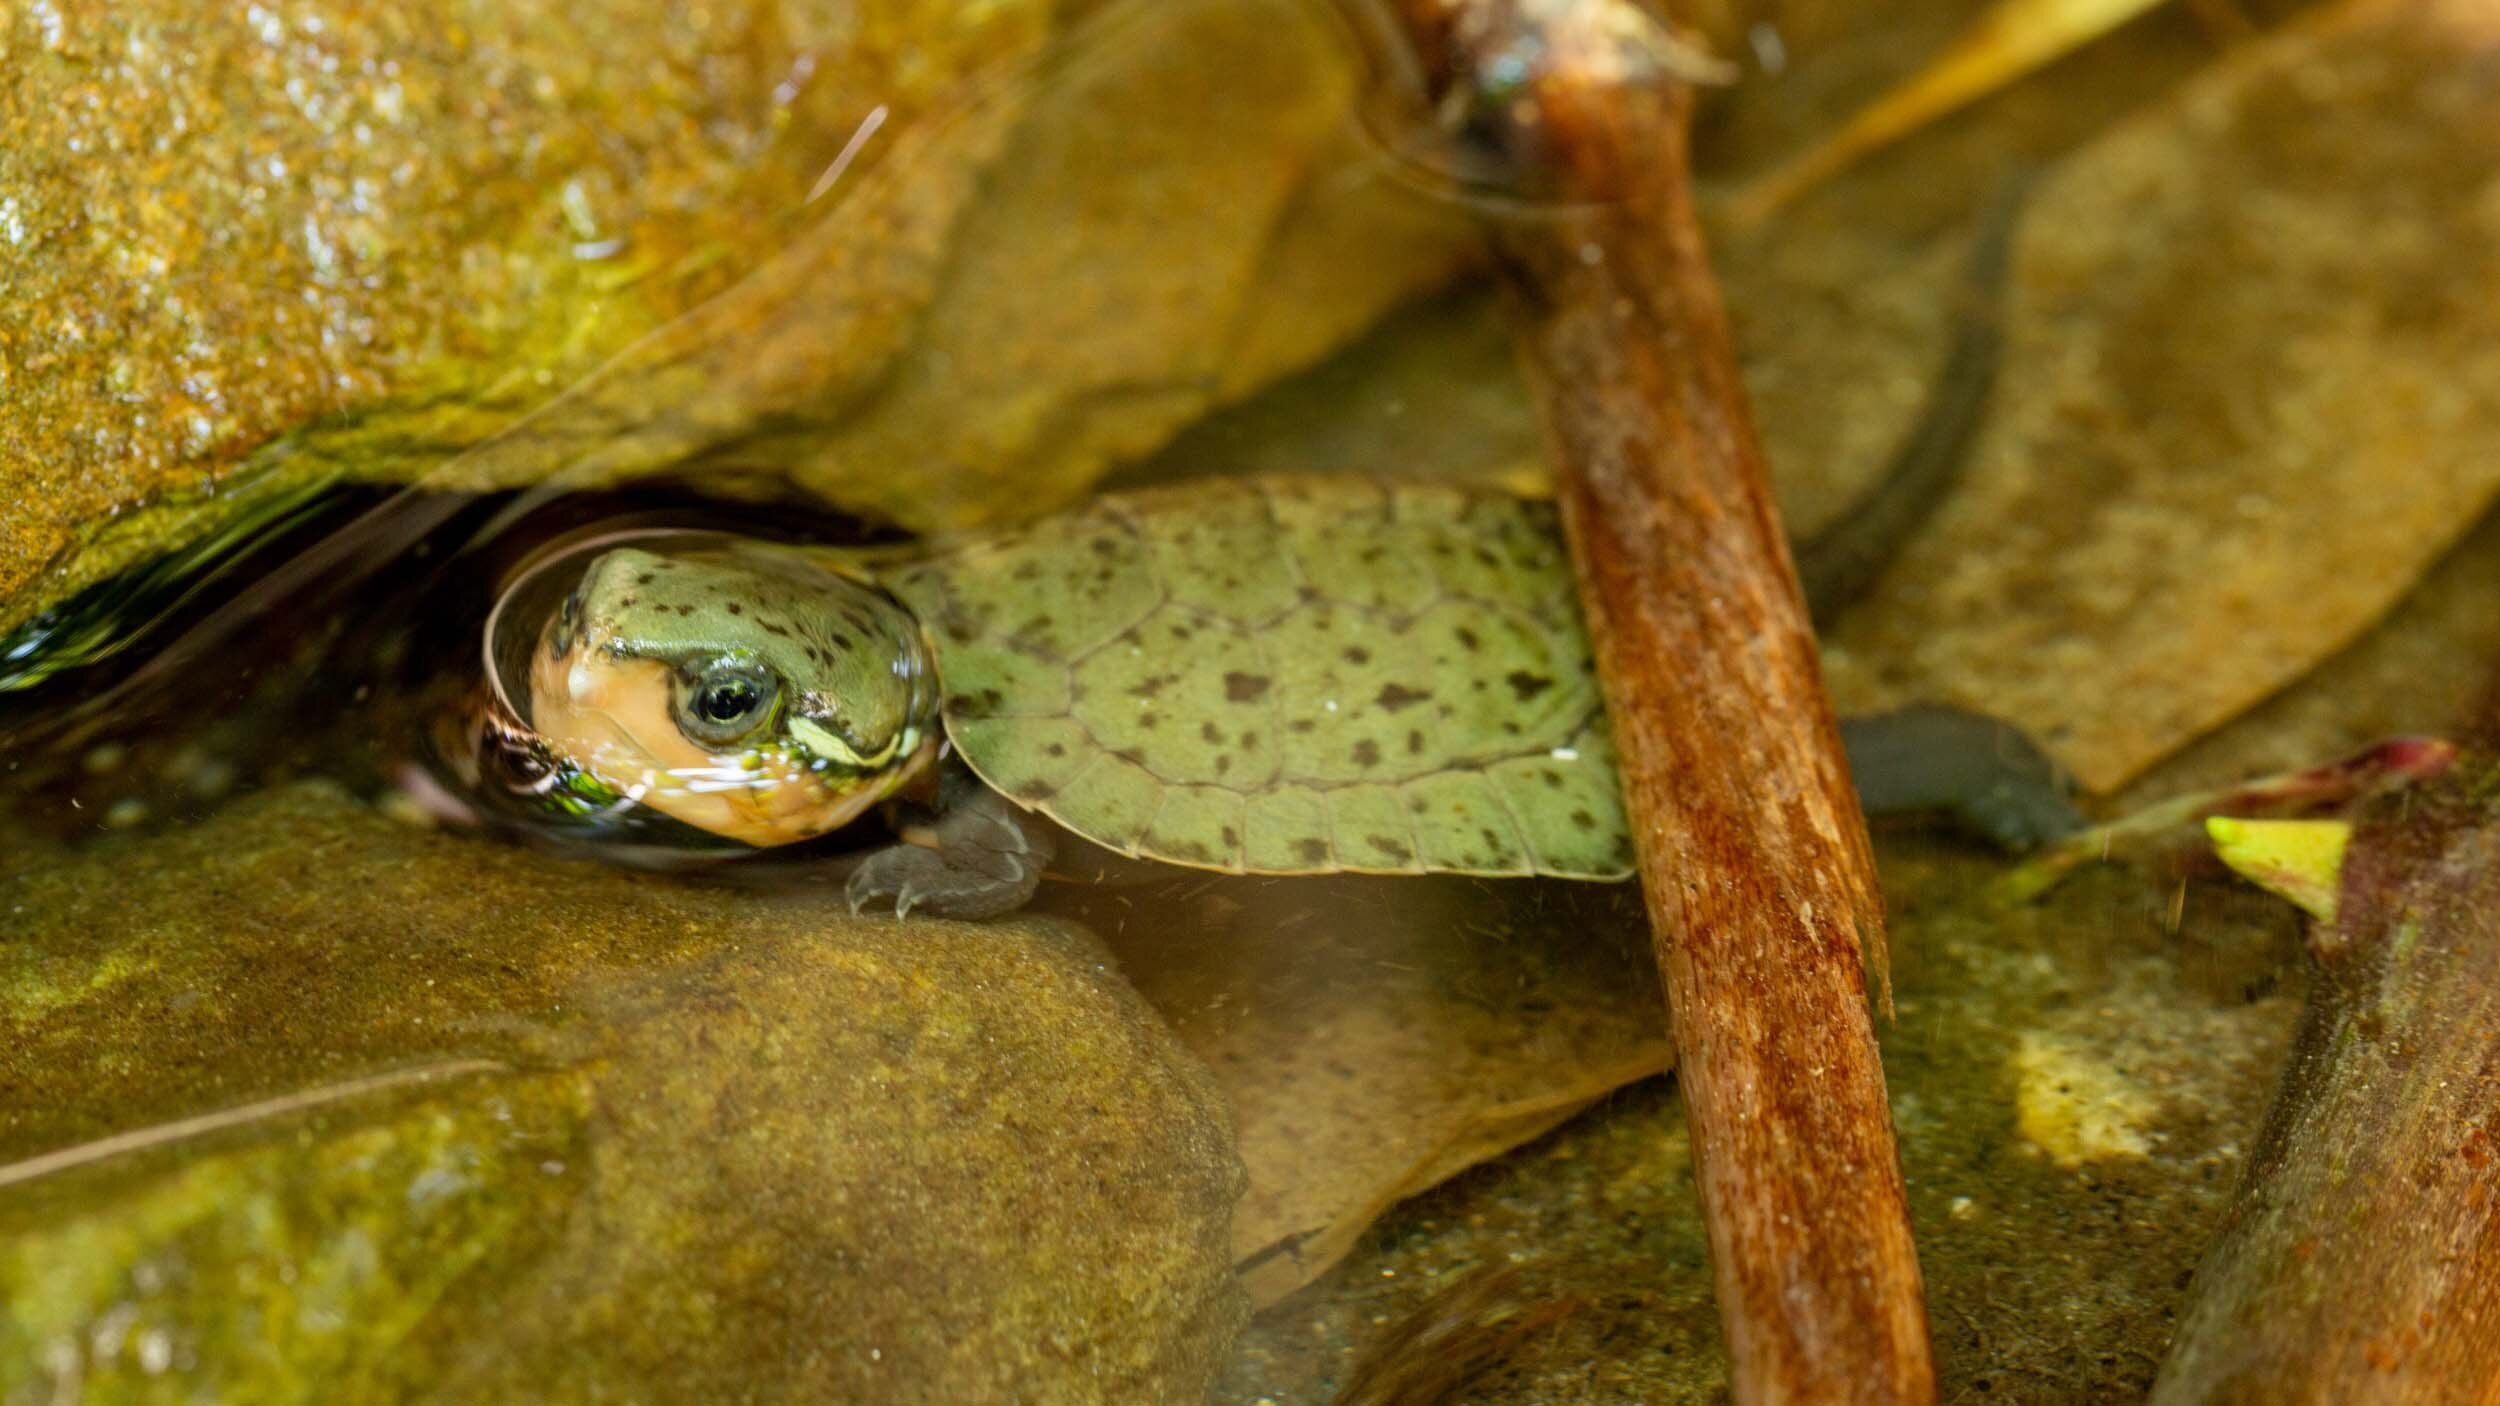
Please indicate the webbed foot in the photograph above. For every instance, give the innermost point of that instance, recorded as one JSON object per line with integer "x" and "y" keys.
{"x": 986, "y": 860}
{"x": 1981, "y": 774}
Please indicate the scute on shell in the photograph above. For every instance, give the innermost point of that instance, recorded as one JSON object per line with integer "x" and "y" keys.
{"x": 1285, "y": 675}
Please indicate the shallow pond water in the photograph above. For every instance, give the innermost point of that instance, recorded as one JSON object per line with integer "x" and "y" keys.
{"x": 361, "y": 1044}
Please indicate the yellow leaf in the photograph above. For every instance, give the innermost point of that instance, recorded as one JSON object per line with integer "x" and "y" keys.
{"x": 2303, "y": 860}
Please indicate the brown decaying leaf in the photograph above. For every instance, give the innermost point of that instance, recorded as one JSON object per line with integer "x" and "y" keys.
{"x": 1376, "y": 1037}
{"x": 2251, "y": 367}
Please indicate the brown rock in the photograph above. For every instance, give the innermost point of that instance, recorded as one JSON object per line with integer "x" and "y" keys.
{"x": 678, "y": 1142}
{"x": 399, "y": 229}
{"x": 464, "y": 249}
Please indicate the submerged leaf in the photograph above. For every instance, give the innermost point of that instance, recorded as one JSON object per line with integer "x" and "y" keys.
{"x": 2252, "y": 368}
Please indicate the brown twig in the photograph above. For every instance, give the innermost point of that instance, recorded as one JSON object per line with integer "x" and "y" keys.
{"x": 1752, "y": 852}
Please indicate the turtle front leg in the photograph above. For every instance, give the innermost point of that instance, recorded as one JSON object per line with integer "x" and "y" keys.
{"x": 984, "y": 858}
{"x": 1983, "y": 775}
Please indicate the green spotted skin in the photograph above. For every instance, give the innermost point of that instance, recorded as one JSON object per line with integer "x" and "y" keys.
{"x": 1284, "y": 676}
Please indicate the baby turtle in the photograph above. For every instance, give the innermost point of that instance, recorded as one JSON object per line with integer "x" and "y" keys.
{"x": 1272, "y": 676}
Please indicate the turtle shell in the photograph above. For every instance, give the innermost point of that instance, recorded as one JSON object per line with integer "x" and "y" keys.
{"x": 1284, "y": 676}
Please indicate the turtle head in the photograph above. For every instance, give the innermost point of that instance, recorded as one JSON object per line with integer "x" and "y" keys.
{"x": 742, "y": 688}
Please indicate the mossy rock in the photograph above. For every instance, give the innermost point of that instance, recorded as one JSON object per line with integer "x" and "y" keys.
{"x": 482, "y": 246}
{"x": 307, "y": 1104}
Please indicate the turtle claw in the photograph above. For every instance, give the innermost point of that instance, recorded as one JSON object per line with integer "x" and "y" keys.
{"x": 987, "y": 862}
{"x": 913, "y": 879}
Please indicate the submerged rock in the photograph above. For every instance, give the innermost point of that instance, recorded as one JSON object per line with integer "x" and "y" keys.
{"x": 305, "y": 1104}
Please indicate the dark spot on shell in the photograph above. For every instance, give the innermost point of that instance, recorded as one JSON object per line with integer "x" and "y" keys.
{"x": 1492, "y": 842}
{"x": 1301, "y": 725}
{"x": 1148, "y": 722}
{"x": 1311, "y": 851}
{"x": 1552, "y": 777}
{"x": 842, "y": 642}
{"x": 627, "y": 603}
{"x": 1054, "y": 749}
{"x": 1036, "y": 791}
{"x": 1131, "y": 755}
{"x": 1210, "y": 733}
{"x": 974, "y": 705}
{"x": 1232, "y": 838}
{"x": 1414, "y": 742}
{"x": 959, "y": 624}
{"x": 1525, "y": 684}
{"x": 1189, "y": 850}
{"x": 1223, "y": 764}
{"x": 1149, "y": 686}
{"x": 1467, "y": 639}
{"x": 1181, "y": 632}
{"x": 642, "y": 578}
{"x": 737, "y": 609}
{"x": 1584, "y": 820}
{"x": 1246, "y": 688}
{"x": 1357, "y": 654}
{"x": 1250, "y": 741}
{"x": 1395, "y": 696}
{"x": 772, "y": 628}
{"x": 1104, "y": 547}
{"x": 1026, "y": 570}
{"x": 1367, "y": 753}
{"x": 1389, "y": 846}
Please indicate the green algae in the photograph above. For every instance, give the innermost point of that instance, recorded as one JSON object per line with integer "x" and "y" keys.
{"x": 316, "y": 1267}
{"x": 485, "y": 246}
{"x": 395, "y": 228}
{"x": 305, "y": 1103}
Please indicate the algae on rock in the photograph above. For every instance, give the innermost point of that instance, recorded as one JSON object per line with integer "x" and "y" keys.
{"x": 680, "y": 1139}
{"x": 490, "y": 245}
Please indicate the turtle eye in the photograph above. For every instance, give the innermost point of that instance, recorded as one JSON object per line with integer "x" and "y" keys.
{"x": 726, "y": 702}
